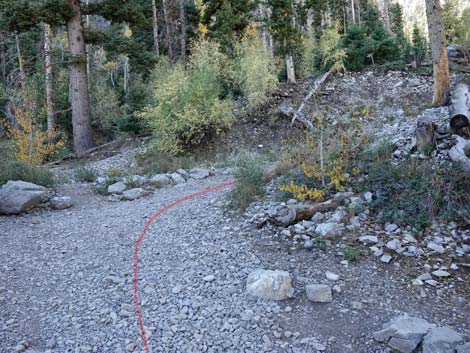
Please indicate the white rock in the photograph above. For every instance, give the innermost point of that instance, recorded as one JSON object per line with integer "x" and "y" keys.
{"x": 270, "y": 285}
{"x": 369, "y": 239}
{"x": 160, "y": 180}
{"x": 368, "y": 196}
{"x": 209, "y": 278}
{"x": 117, "y": 188}
{"x": 394, "y": 244}
{"x": 134, "y": 194}
{"x": 441, "y": 340}
{"x": 177, "y": 178}
{"x": 441, "y": 273}
{"x": 61, "y": 203}
{"x": 390, "y": 228}
{"x": 328, "y": 230}
{"x": 386, "y": 258}
{"x": 319, "y": 293}
{"x": 199, "y": 173}
{"x": 331, "y": 276}
{"x": 465, "y": 348}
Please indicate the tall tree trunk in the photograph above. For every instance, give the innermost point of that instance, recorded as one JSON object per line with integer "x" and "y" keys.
{"x": 440, "y": 62}
{"x": 126, "y": 73}
{"x": 353, "y": 12}
{"x": 48, "y": 78}
{"x": 78, "y": 85}
{"x": 156, "y": 45}
{"x": 386, "y": 14}
{"x": 183, "y": 29}
{"x": 168, "y": 23}
{"x": 20, "y": 60}
{"x": 290, "y": 68}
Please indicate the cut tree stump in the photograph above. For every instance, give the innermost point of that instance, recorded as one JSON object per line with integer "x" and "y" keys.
{"x": 287, "y": 215}
{"x": 425, "y": 132}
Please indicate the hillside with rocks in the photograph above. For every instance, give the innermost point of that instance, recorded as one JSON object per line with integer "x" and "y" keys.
{"x": 212, "y": 279}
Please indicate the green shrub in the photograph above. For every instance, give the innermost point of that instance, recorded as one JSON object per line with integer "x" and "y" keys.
{"x": 105, "y": 108}
{"x": 85, "y": 174}
{"x": 154, "y": 162}
{"x": 250, "y": 184}
{"x": 432, "y": 191}
{"x": 255, "y": 70}
{"x": 16, "y": 170}
{"x": 351, "y": 254}
{"x": 188, "y": 107}
{"x": 311, "y": 56}
{"x": 333, "y": 56}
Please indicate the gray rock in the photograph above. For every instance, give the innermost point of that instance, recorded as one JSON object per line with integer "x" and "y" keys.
{"x": 441, "y": 273}
{"x": 61, "y": 203}
{"x": 390, "y": 228}
{"x": 133, "y": 194}
{"x": 319, "y": 293}
{"x": 183, "y": 173}
{"x": 339, "y": 216}
{"x": 309, "y": 244}
{"x": 386, "y": 258}
{"x": 393, "y": 244}
{"x": 331, "y": 276}
{"x": 464, "y": 348}
{"x": 177, "y": 178}
{"x": 139, "y": 180}
{"x": 117, "y": 188}
{"x": 20, "y": 196}
{"x": 160, "y": 180}
{"x": 436, "y": 247}
{"x": 369, "y": 239}
{"x": 368, "y": 196}
{"x": 271, "y": 285}
{"x": 403, "y": 333}
{"x": 199, "y": 173}
{"x": 441, "y": 340}
{"x": 328, "y": 230}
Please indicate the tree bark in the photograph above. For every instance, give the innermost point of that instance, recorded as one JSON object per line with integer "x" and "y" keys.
{"x": 156, "y": 44}
{"x": 168, "y": 23}
{"x": 48, "y": 79}
{"x": 438, "y": 51}
{"x": 183, "y": 30}
{"x": 353, "y": 12}
{"x": 460, "y": 108}
{"x": 78, "y": 84}
{"x": 290, "y": 68}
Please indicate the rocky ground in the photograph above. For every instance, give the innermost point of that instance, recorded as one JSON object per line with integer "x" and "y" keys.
{"x": 66, "y": 270}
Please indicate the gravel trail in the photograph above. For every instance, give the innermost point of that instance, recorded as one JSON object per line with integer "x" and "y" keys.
{"x": 66, "y": 277}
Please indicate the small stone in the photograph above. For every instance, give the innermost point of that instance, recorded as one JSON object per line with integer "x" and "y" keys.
{"x": 177, "y": 289}
{"x": 177, "y": 178}
{"x": 418, "y": 282}
{"x": 331, "y": 276}
{"x": 51, "y": 343}
{"x": 465, "y": 348}
{"x": 270, "y": 285}
{"x": 309, "y": 244}
{"x": 209, "y": 278}
{"x": 336, "y": 289}
{"x": 432, "y": 282}
{"x": 328, "y": 230}
{"x": 199, "y": 173}
{"x": 369, "y": 239}
{"x": 319, "y": 293}
{"x": 386, "y": 258}
{"x": 436, "y": 247}
{"x": 441, "y": 273}
{"x": 393, "y": 244}
{"x": 114, "y": 280}
{"x": 131, "y": 347}
{"x": 390, "y": 228}
{"x": 160, "y": 180}
{"x": 117, "y": 188}
{"x": 133, "y": 194}
{"x": 368, "y": 196}
{"x": 20, "y": 348}
{"x": 60, "y": 203}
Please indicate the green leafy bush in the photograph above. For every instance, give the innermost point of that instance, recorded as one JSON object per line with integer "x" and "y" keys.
{"x": 333, "y": 56}
{"x": 105, "y": 108}
{"x": 154, "y": 162}
{"x": 250, "y": 184}
{"x": 188, "y": 106}
{"x": 255, "y": 70}
{"x": 17, "y": 170}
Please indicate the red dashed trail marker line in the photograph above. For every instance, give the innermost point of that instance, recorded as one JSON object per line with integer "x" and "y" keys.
{"x": 139, "y": 241}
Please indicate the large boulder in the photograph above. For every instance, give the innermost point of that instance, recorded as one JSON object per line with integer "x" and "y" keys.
{"x": 328, "y": 230}
{"x": 270, "y": 285}
{"x": 20, "y": 196}
{"x": 177, "y": 178}
{"x": 441, "y": 340}
{"x": 160, "y": 180}
{"x": 403, "y": 333}
{"x": 465, "y": 348}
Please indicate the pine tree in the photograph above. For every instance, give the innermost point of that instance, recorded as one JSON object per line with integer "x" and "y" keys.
{"x": 418, "y": 46}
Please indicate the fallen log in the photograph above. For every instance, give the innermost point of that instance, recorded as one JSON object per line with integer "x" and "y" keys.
{"x": 460, "y": 107}
{"x": 287, "y": 215}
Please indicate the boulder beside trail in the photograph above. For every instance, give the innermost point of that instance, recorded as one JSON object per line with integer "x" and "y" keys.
{"x": 19, "y": 196}
{"x": 270, "y": 285}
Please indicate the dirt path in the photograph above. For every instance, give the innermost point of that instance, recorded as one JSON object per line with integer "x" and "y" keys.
{"x": 66, "y": 283}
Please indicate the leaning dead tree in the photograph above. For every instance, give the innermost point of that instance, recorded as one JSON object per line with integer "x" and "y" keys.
{"x": 460, "y": 108}
{"x": 297, "y": 114}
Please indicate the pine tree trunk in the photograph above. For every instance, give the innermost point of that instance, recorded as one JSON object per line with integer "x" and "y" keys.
{"x": 78, "y": 84}
{"x": 126, "y": 73}
{"x": 183, "y": 30}
{"x": 156, "y": 44}
{"x": 20, "y": 60}
{"x": 48, "y": 78}
{"x": 169, "y": 36}
{"x": 386, "y": 14}
{"x": 438, "y": 51}
{"x": 353, "y": 12}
